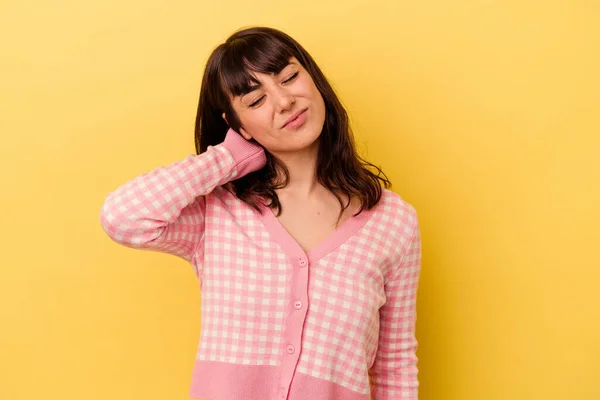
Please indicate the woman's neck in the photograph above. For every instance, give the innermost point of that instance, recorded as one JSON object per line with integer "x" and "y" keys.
{"x": 302, "y": 169}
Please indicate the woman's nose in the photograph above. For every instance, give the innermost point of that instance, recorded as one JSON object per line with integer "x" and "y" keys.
{"x": 284, "y": 100}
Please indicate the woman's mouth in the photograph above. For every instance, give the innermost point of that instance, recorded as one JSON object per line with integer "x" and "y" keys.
{"x": 297, "y": 121}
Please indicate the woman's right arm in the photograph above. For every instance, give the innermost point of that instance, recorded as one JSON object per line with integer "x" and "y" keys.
{"x": 163, "y": 210}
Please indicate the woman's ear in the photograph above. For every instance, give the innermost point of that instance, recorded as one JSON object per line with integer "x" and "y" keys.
{"x": 241, "y": 131}
{"x": 245, "y": 134}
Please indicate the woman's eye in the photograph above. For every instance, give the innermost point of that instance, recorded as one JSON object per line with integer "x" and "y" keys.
{"x": 257, "y": 101}
{"x": 291, "y": 78}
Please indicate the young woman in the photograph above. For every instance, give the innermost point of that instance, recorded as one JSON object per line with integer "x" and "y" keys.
{"x": 308, "y": 264}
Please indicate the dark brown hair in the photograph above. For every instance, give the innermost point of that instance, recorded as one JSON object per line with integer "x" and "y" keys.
{"x": 228, "y": 73}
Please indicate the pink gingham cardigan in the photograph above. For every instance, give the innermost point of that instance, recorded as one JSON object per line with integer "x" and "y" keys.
{"x": 335, "y": 323}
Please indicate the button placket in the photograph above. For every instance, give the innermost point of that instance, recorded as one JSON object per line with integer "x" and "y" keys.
{"x": 294, "y": 325}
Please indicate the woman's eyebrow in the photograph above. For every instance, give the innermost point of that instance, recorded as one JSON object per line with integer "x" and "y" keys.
{"x": 285, "y": 66}
{"x": 253, "y": 87}
{"x": 257, "y": 85}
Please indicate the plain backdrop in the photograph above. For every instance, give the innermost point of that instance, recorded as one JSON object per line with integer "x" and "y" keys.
{"x": 484, "y": 114}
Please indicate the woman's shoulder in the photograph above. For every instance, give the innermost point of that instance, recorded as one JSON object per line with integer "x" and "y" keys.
{"x": 399, "y": 221}
{"x": 395, "y": 208}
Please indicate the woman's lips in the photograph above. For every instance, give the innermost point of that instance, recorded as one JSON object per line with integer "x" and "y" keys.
{"x": 297, "y": 121}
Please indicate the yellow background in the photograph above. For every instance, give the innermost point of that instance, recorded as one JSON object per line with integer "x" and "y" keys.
{"x": 484, "y": 114}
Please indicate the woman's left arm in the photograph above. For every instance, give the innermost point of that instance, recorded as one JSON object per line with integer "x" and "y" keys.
{"x": 394, "y": 373}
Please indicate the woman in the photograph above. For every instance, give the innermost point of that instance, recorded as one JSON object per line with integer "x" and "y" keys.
{"x": 308, "y": 267}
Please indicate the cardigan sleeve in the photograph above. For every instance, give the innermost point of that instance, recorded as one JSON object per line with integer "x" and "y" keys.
{"x": 164, "y": 209}
{"x": 394, "y": 373}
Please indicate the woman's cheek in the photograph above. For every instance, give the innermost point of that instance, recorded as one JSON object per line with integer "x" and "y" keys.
{"x": 263, "y": 123}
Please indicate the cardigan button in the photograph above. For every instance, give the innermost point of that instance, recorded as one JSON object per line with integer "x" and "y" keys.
{"x": 302, "y": 262}
{"x": 298, "y": 305}
{"x": 290, "y": 348}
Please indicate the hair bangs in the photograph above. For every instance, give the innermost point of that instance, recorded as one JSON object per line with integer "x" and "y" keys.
{"x": 248, "y": 55}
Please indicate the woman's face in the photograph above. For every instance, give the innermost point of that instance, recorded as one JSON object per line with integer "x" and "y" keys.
{"x": 265, "y": 112}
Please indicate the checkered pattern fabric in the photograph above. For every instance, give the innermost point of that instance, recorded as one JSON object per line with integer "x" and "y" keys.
{"x": 334, "y": 323}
